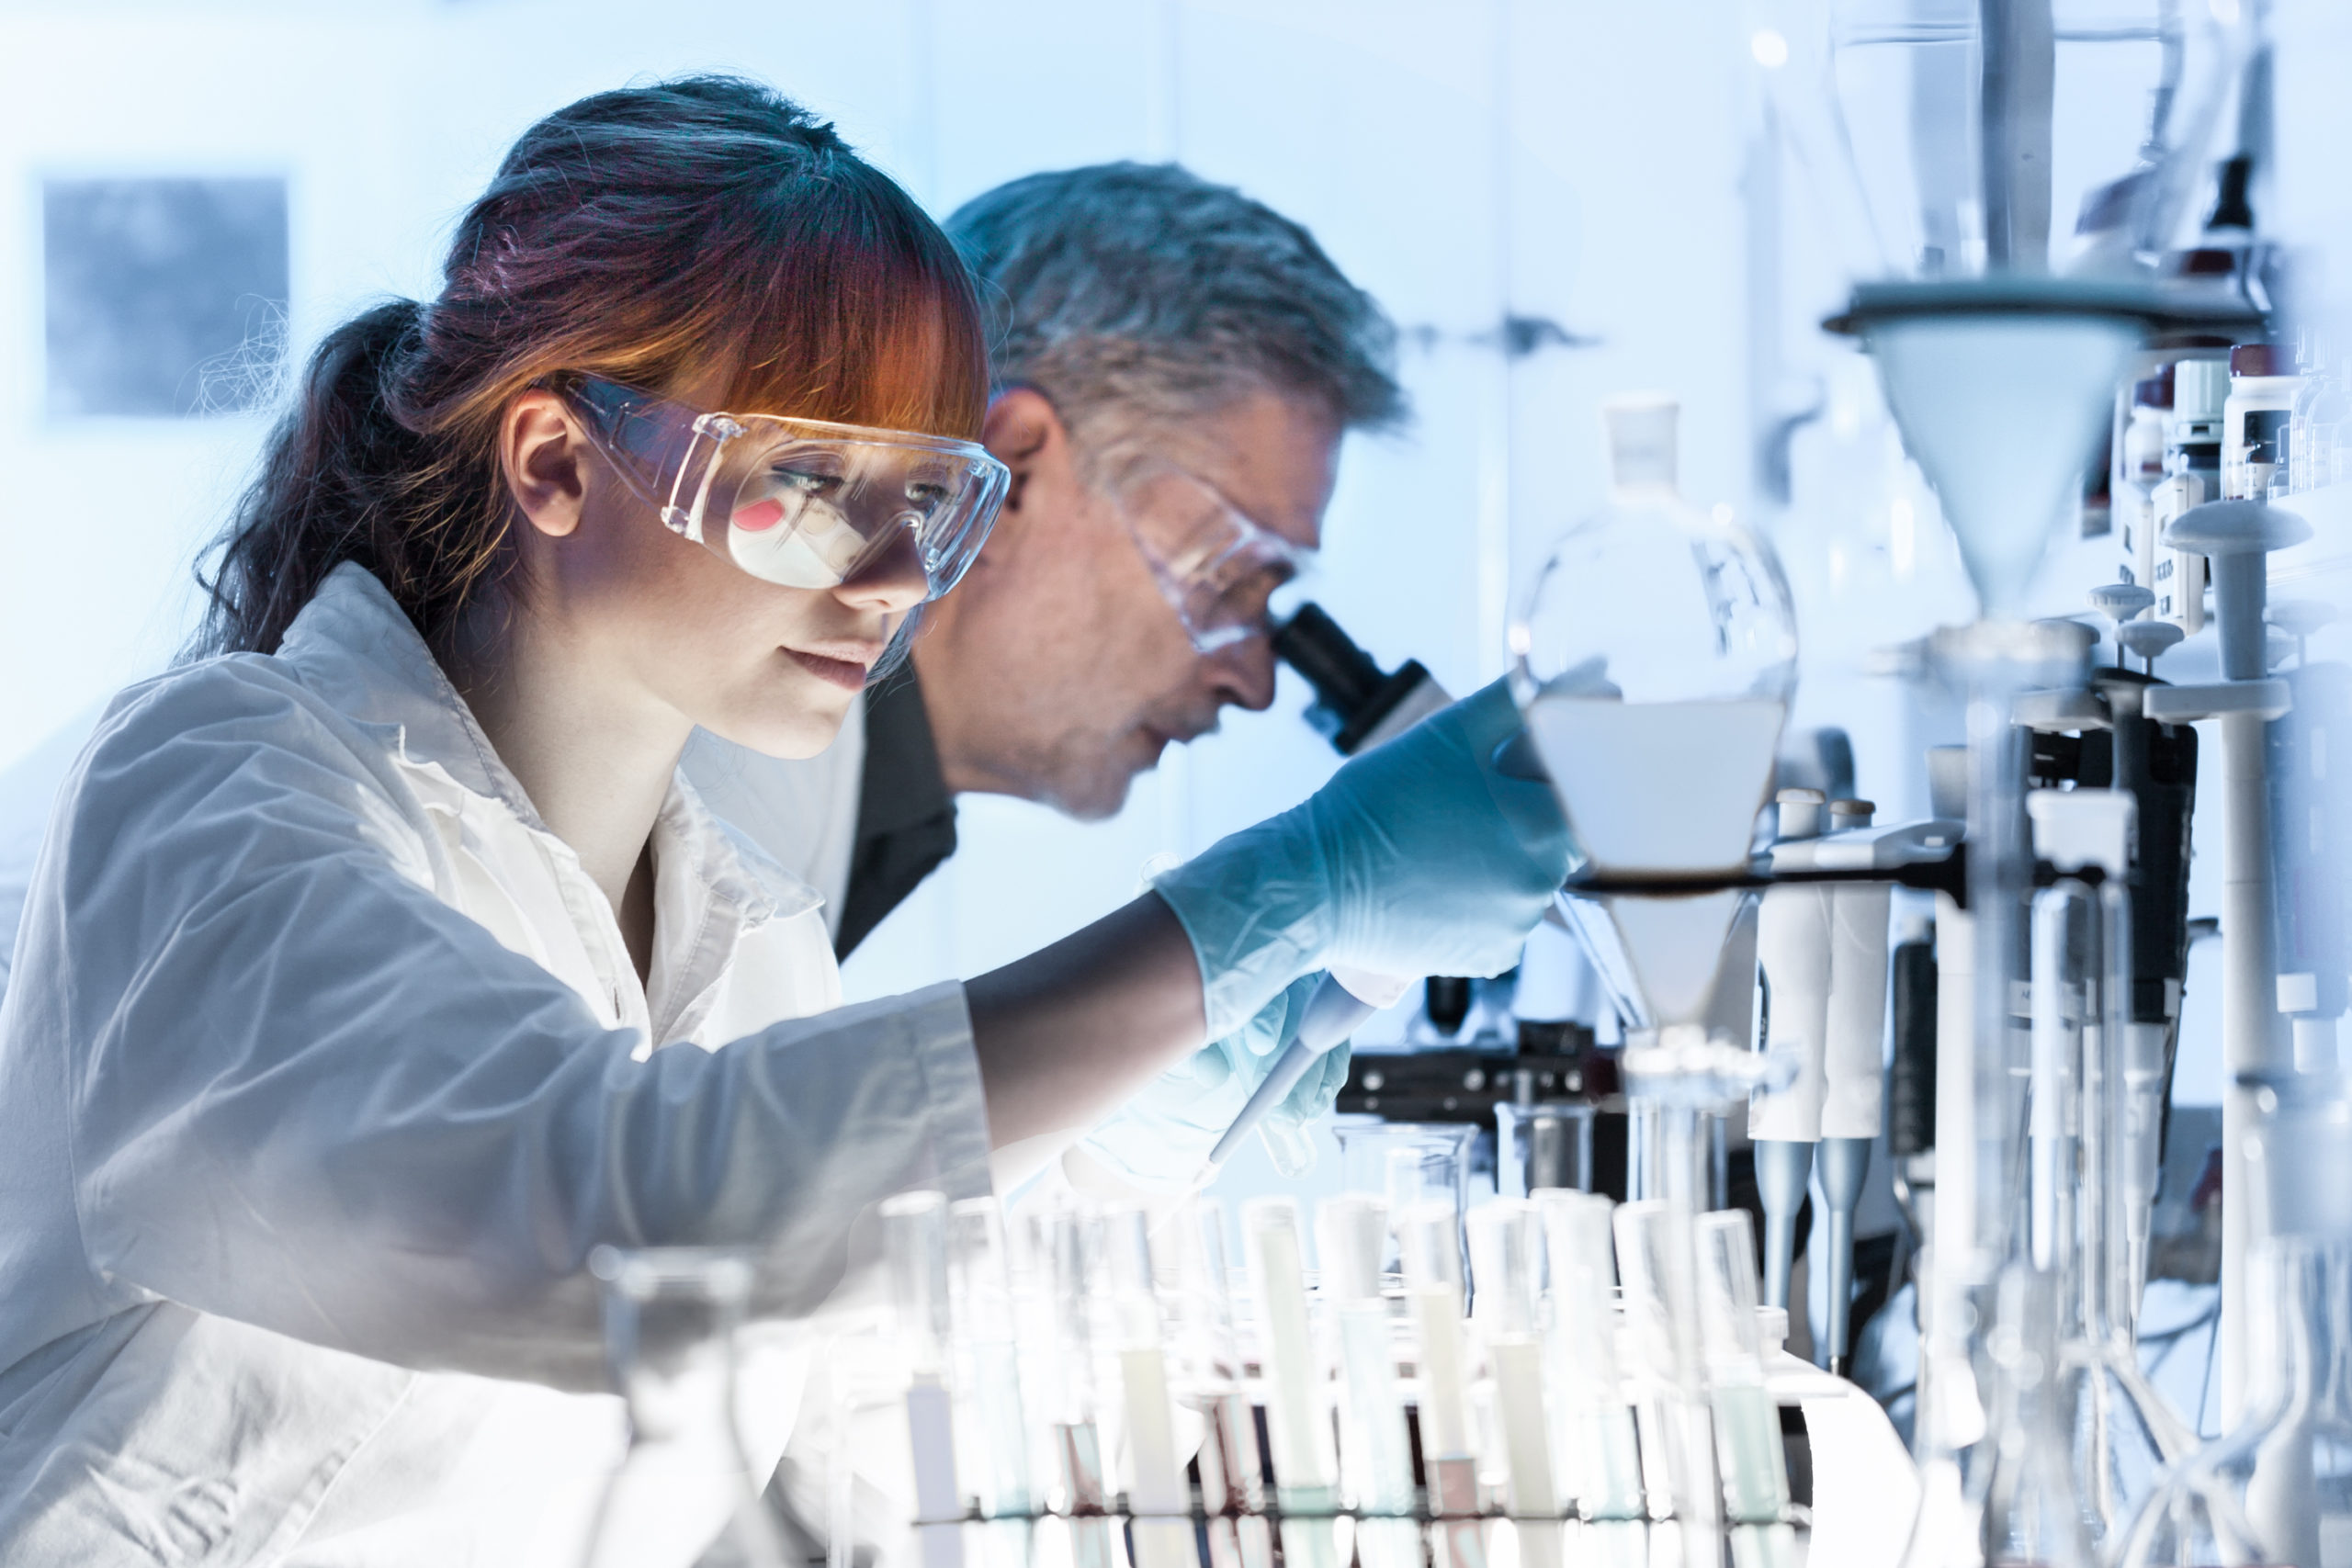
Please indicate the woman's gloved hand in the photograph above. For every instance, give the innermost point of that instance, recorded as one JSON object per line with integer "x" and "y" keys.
{"x": 1159, "y": 1139}
{"x": 1417, "y": 858}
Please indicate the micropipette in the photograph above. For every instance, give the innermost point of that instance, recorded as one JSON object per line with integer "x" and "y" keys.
{"x": 1333, "y": 1013}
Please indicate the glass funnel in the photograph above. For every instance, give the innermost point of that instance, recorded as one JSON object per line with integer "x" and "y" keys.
{"x": 671, "y": 1316}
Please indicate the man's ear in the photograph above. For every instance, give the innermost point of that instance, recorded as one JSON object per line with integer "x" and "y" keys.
{"x": 1022, "y": 428}
{"x": 540, "y": 444}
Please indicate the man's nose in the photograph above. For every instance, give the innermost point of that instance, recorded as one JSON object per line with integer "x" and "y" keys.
{"x": 1243, "y": 673}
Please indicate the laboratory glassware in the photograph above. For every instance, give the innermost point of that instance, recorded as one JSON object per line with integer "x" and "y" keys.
{"x": 2276, "y": 1491}
{"x": 1506, "y": 1267}
{"x": 1209, "y": 1380}
{"x": 2121, "y": 1433}
{"x": 1065, "y": 1246}
{"x": 1936, "y": 131}
{"x": 803, "y": 504}
{"x": 1748, "y": 1452}
{"x": 914, "y": 1246}
{"x": 671, "y": 1320}
{"x": 1159, "y": 1498}
{"x": 1429, "y": 1238}
{"x": 1657, "y": 1260}
{"x": 1654, "y": 660}
{"x": 987, "y": 1356}
{"x": 1375, "y": 1447}
{"x": 1406, "y": 1164}
{"x": 2032, "y": 1517}
{"x": 1545, "y": 1144}
{"x": 1598, "y": 1443}
{"x": 1298, "y": 1415}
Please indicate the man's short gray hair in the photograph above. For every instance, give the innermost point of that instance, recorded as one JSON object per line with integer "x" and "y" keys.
{"x": 1134, "y": 294}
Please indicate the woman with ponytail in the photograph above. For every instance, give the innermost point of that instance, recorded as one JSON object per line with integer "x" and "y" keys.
{"x": 379, "y": 966}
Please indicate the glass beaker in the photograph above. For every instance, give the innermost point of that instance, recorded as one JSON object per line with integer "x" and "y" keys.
{"x": 1543, "y": 1145}
{"x": 671, "y": 1314}
{"x": 1406, "y": 1165}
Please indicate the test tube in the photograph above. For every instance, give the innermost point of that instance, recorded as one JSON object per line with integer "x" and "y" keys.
{"x": 1654, "y": 1254}
{"x": 987, "y": 1356}
{"x": 1062, "y": 1243}
{"x": 1602, "y": 1461}
{"x": 1429, "y": 1239}
{"x": 1375, "y": 1449}
{"x": 1209, "y": 1361}
{"x": 1298, "y": 1423}
{"x": 1159, "y": 1500}
{"x": 914, "y": 1241}
{"x": 1748, "y": 1425}
{"x": 1506, "y": 1256}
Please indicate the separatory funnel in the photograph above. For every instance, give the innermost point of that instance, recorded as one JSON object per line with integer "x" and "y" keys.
{"x": 1654, "y": 662}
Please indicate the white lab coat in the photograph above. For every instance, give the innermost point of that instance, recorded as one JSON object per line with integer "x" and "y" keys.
{"x": 801, "y": 810}
{"x": 323, "y": 1067}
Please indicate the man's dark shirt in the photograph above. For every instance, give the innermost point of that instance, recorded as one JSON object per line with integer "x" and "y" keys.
{"x": 905, "y": 817}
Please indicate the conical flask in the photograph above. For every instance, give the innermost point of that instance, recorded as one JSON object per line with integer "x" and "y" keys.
{"x": 2122, "y": 1433}
{"x": 671, "y": 1316}
{"x": 2276, "y": 1491}
{"x": 2028, "y": 1517}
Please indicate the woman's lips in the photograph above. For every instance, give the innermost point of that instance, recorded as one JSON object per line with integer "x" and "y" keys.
{"x": 846, "y": 673}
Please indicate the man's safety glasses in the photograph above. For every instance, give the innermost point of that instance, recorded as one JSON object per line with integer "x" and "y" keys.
{"x": 1214, "y": 565}
{"x": 799, "y": 502}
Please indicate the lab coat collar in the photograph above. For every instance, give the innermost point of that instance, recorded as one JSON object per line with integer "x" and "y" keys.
{"x": 356, "y": 648}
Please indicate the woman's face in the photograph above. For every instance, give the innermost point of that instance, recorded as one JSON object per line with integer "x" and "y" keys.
{"x": 669, "y": 626}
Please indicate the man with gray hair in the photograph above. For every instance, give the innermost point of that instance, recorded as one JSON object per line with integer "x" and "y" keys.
{"x": 1175, "y": 365}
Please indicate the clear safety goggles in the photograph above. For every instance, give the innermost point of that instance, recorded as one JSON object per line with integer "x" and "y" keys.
{"x": 799, "y": 502}
{"x": 1215, "y": 565}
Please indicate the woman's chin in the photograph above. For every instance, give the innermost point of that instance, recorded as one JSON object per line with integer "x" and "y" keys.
{"x": 802, "y": 735}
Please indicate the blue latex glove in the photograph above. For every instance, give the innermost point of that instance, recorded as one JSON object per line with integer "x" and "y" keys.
{"x": 1417, "y": 858}
{"x": 1160, "y": 1138}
